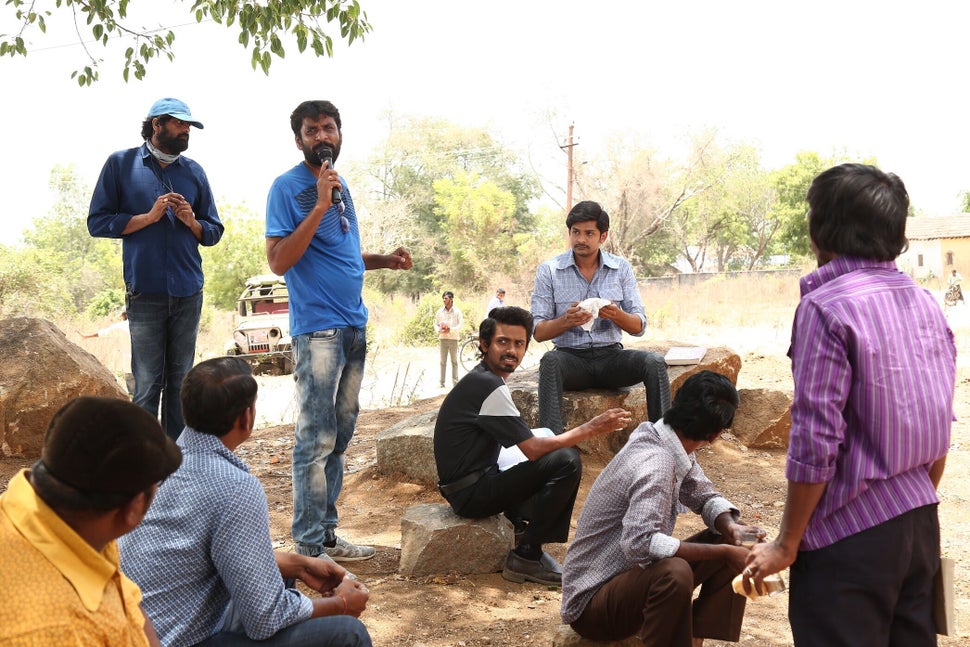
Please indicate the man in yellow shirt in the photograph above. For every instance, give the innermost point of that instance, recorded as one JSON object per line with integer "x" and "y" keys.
{"x": 60, "y": 583}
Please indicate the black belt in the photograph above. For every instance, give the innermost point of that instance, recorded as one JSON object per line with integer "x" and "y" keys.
{"x": 466, "y": 481}
{"x": 583, "y": 351}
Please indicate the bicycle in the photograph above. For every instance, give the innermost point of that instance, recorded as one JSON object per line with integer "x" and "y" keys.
{"x": 469, "y": 354}
{"x": 952, "y": 295}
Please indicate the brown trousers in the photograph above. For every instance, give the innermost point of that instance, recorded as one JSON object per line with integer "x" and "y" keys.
{"x": 654, "y": 603}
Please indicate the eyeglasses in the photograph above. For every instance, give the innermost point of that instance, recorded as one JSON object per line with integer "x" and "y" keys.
{"x": 344, "y": 223}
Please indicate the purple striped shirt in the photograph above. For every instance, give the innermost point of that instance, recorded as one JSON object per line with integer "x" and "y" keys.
{"x": 874, "y": 366}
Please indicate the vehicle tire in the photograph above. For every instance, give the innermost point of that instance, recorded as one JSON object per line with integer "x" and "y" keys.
{"x": 468, "y": 353}
{"x": 286, "y": 365}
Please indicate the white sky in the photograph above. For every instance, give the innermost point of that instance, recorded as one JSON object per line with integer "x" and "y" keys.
{"x": 884, "y": 79}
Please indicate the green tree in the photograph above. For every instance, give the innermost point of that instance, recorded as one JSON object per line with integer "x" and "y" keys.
{"x": 263, "y": 24}
{"x": 240, "y": 254}
{"x": 643, "y": 192}
{"x": 65, "y": 254}
{"x": 791, "y": 183}
{"x": 479, "y": 225}
{"x": 399, "y": 178}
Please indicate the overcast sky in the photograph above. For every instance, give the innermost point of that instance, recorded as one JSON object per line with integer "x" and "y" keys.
{"x": 883, "y": 79}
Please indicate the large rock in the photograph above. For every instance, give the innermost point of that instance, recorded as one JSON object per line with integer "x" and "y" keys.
{"x": 763, "y": 419}
{"x": 580, "y": 406}
{"x": 434, "y": 540}
{"x": 40, "y": 372}
{"x": 566, "y": 637}
{"x": 407, "y": 448}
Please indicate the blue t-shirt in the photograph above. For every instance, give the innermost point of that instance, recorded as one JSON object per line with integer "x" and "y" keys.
{"x": 325, "y": 284}
{"x": 162, "y": 258}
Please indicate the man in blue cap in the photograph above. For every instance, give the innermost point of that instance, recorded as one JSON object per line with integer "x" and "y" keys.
{"x": 160, "y": 204}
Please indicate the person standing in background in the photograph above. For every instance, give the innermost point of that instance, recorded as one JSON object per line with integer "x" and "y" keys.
{"x": 498, "y": 301}
{"x": 447, "y": 323}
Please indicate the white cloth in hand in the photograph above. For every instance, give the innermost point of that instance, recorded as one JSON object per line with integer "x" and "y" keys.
{"x": 592, "y": 306}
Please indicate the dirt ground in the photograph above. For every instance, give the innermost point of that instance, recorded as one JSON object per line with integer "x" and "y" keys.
{"x": 485, "y": 610}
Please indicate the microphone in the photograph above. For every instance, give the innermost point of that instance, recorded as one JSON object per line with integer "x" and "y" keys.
{"x": 325, "y": 153}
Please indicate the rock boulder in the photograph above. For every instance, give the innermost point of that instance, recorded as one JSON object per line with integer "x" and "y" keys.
{"x": 40, "y": 372}
{"x": 580, "y": 406}
{"x": 408, "y": 448}
{"x": 564, "y": 636}
{"x": 434, "y": 540}
{"x": 763, "y": 419}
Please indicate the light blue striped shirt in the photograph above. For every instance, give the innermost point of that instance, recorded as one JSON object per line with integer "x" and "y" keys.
{"x": 559, "y": 285}
{"x": 874, "y": 366}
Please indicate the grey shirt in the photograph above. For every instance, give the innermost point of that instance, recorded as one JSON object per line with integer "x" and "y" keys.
{"x": 629, "y": 516}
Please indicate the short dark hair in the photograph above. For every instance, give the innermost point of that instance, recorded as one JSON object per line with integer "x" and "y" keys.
{"x": 147, "y": 130}
{"x": 703, "y": 406}
{"x": 588, "y": 210}
{"x": 448, "y": 293}
{"x": 216, "y": 392}
{"x": 858, "y": 210}
{"x": 507, "y": 315}
{"x": 313, "y": 109}
{"x": 63, "y": 497}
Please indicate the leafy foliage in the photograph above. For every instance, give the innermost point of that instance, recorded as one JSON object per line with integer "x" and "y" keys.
{"x": 401, "y": 182}
{"x": 109, "y": 302}
{"x": 75, "y": 265}
{"x": 240, "y": 254}
{"x": 261, "y": 24}
{"x": 791, "y": 183}
{"x": 419, "y": 330}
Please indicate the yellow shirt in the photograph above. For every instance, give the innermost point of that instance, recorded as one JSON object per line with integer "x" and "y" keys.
{"x": 55, "y": 589}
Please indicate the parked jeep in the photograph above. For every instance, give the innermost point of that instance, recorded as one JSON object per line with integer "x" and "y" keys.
{"x": 262, "y": 333}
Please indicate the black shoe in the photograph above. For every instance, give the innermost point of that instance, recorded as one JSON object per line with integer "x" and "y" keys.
{"x": 544, "y": 570}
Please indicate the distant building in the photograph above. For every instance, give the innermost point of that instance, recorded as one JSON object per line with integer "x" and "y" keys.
{"x": 937, "y": 246}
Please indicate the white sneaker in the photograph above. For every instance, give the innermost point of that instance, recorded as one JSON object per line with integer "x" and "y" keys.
{"x": 345, "y": 551}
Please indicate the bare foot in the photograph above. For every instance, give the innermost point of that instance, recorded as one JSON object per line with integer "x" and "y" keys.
{"x": 697, "y": 642}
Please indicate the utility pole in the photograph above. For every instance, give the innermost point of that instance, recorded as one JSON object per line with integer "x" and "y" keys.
{"x": 569, "y": 168}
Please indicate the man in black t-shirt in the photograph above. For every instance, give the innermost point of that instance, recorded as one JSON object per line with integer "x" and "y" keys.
{"x": 477, "y": 419}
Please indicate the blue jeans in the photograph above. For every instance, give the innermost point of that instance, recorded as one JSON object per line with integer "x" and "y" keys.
{"x": 163, "y": 332}
{"x": 328, "y": 370}
{"x": 328, "y": 631}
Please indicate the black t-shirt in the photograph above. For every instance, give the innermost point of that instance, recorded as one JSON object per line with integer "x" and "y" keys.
{"x": 476, "y": 420}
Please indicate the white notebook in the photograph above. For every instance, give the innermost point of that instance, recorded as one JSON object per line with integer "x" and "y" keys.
{"x": 684, "y": 355}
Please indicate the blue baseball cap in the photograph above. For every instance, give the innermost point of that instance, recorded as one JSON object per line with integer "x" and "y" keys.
{"x": 174, "y": 108}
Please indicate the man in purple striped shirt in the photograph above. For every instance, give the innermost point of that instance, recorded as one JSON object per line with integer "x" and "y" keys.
{"x": 874, "y": 366}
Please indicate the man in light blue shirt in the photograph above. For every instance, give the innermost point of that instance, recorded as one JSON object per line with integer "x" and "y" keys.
{"x": 588, "y": 350}
{"x": 204, "y": 558}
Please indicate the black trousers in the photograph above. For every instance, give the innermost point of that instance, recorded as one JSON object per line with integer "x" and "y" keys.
{"x": 872, "y": 589}
{"x": 577, "y": 369}
{"x": 542, "y": 491}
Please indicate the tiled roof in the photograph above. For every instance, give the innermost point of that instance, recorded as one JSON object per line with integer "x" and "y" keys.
{"x": 920, "y": 228}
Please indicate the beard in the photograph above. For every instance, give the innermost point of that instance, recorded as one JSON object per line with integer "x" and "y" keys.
{"x": 313, "y": 158}
{"x": 171, "y": 144}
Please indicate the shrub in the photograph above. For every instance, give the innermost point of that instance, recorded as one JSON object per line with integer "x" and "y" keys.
{"x": 419, "y": 330}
